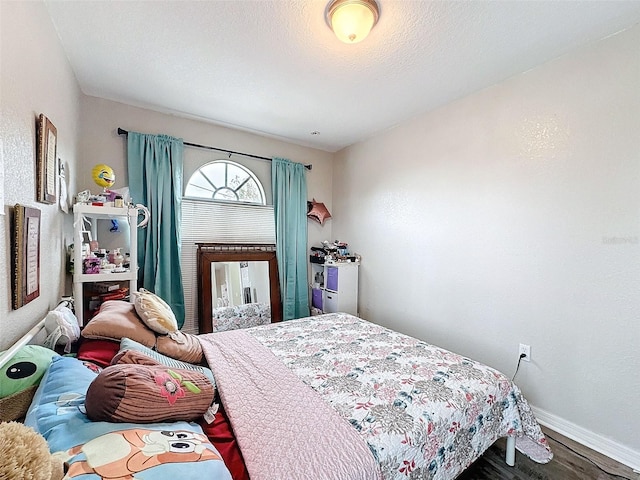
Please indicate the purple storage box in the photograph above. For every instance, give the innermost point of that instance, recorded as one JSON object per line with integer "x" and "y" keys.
{"x": 316, "y": 298}
{"x": 332, "y": 279}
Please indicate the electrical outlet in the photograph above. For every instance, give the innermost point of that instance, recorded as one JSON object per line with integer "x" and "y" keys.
{"x": 526, "y": 351}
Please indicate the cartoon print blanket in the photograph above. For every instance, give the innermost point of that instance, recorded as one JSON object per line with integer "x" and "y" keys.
{"x": 115, "y": 451}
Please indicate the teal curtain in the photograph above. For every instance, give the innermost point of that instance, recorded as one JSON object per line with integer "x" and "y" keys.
{"x": 290, "y": 208}
{"x": 155, "y": 180}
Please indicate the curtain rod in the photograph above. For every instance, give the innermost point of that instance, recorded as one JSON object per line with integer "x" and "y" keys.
{"x": 122, "y": 131}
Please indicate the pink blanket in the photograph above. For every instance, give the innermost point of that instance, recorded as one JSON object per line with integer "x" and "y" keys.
{"x": 284, "y": 428}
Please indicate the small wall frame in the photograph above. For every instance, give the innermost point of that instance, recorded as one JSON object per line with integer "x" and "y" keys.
{"x": 46, "y": 145}
{"x": 25, "y": 255}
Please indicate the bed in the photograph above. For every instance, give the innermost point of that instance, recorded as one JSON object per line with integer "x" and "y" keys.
{"x": 422, "y": 411}
{"x": 325, "y": 397}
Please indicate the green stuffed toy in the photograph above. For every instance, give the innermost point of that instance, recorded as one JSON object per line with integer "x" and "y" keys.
{"x": 25, "y": 369}
{"x": 20, "y": 377}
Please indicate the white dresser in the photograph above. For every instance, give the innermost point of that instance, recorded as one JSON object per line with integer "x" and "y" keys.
{"x": 339, "y": 292}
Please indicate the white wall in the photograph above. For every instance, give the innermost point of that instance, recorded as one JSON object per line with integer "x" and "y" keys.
{"x": 513, "y": 215}
{"x": 35, "y": 78}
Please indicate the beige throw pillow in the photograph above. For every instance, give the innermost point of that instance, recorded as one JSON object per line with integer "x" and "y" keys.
{"x": 155, "y": 312}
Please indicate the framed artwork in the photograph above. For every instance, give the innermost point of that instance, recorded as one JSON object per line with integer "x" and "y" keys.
{"x": 46, "y": 142}
{"x": 25, "y": 255}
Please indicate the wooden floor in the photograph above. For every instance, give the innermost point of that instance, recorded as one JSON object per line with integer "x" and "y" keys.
{"x": 571, "y": 461}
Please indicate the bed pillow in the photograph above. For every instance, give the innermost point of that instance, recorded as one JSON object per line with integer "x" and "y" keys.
{"x": 148, "y": 394}
{"x": 133, "y": 357}
{"x": 162, "y": 450}
{"x": 155, "y": 312}
{"x": 100, "y": 352}
{"x": 183, "y": 346}
{"x": 127, "y": 344}
{"x": 117, "y": 319}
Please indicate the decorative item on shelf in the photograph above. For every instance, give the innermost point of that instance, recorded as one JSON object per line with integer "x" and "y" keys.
{"x": 317, "y": 211}
{"x": 103, "y": 175}
{"x": 91, "y": 265}
{"x": 83, "y": 196}
{"x": 317, "y": 255}
{"x": 116, "y": 257}
{"x": 104, "y": 261}
{"x": 110, "y": 195}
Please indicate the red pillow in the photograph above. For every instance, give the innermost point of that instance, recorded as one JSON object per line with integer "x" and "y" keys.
{"x": 100, "y": 352}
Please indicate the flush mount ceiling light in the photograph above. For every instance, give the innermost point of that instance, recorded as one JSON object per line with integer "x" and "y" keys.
{"x": 352, "y": 20}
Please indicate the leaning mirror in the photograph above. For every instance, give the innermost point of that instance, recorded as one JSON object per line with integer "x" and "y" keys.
{"x": 238, "y": 286}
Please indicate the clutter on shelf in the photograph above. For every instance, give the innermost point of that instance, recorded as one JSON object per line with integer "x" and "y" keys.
{"x": 99, "y": 260}
{"x": 118, "y": 198}
{"x": 104, "y": 176}
{"x": 333, "y": 252}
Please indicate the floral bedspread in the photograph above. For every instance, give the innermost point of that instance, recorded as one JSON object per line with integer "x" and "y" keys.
{"x": 425, "y": 412}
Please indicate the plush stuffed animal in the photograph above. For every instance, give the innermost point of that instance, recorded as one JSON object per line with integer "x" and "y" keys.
{"x": 24, "y": 454}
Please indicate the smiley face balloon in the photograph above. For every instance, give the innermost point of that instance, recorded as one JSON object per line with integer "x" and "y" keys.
{"x": 103, "y": 175}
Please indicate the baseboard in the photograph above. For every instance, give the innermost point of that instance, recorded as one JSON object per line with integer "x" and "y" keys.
{"x": 603, "y": 445}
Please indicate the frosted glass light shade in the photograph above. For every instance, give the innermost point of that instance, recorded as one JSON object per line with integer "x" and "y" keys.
{"x": 352, "y": 20}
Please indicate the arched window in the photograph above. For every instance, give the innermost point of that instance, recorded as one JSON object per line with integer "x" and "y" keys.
{"x": 225, "y": 180}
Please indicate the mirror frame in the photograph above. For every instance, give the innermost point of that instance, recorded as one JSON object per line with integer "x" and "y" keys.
{"x": 224, "y": 252}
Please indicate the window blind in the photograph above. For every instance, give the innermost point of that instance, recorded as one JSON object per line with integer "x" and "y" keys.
{"x": 217, "y": 222}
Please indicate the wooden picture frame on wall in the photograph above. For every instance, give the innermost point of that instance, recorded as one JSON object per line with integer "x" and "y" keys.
{"x": 46, "y": 146}
{"x": 25, "y": 239}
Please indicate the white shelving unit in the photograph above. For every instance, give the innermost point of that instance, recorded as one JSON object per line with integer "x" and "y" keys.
{"x": 339, "y": 292}
{"x": 94, "y": 213}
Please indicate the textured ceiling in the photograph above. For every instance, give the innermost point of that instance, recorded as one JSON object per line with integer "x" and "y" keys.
{"x": 275, "y": 68}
